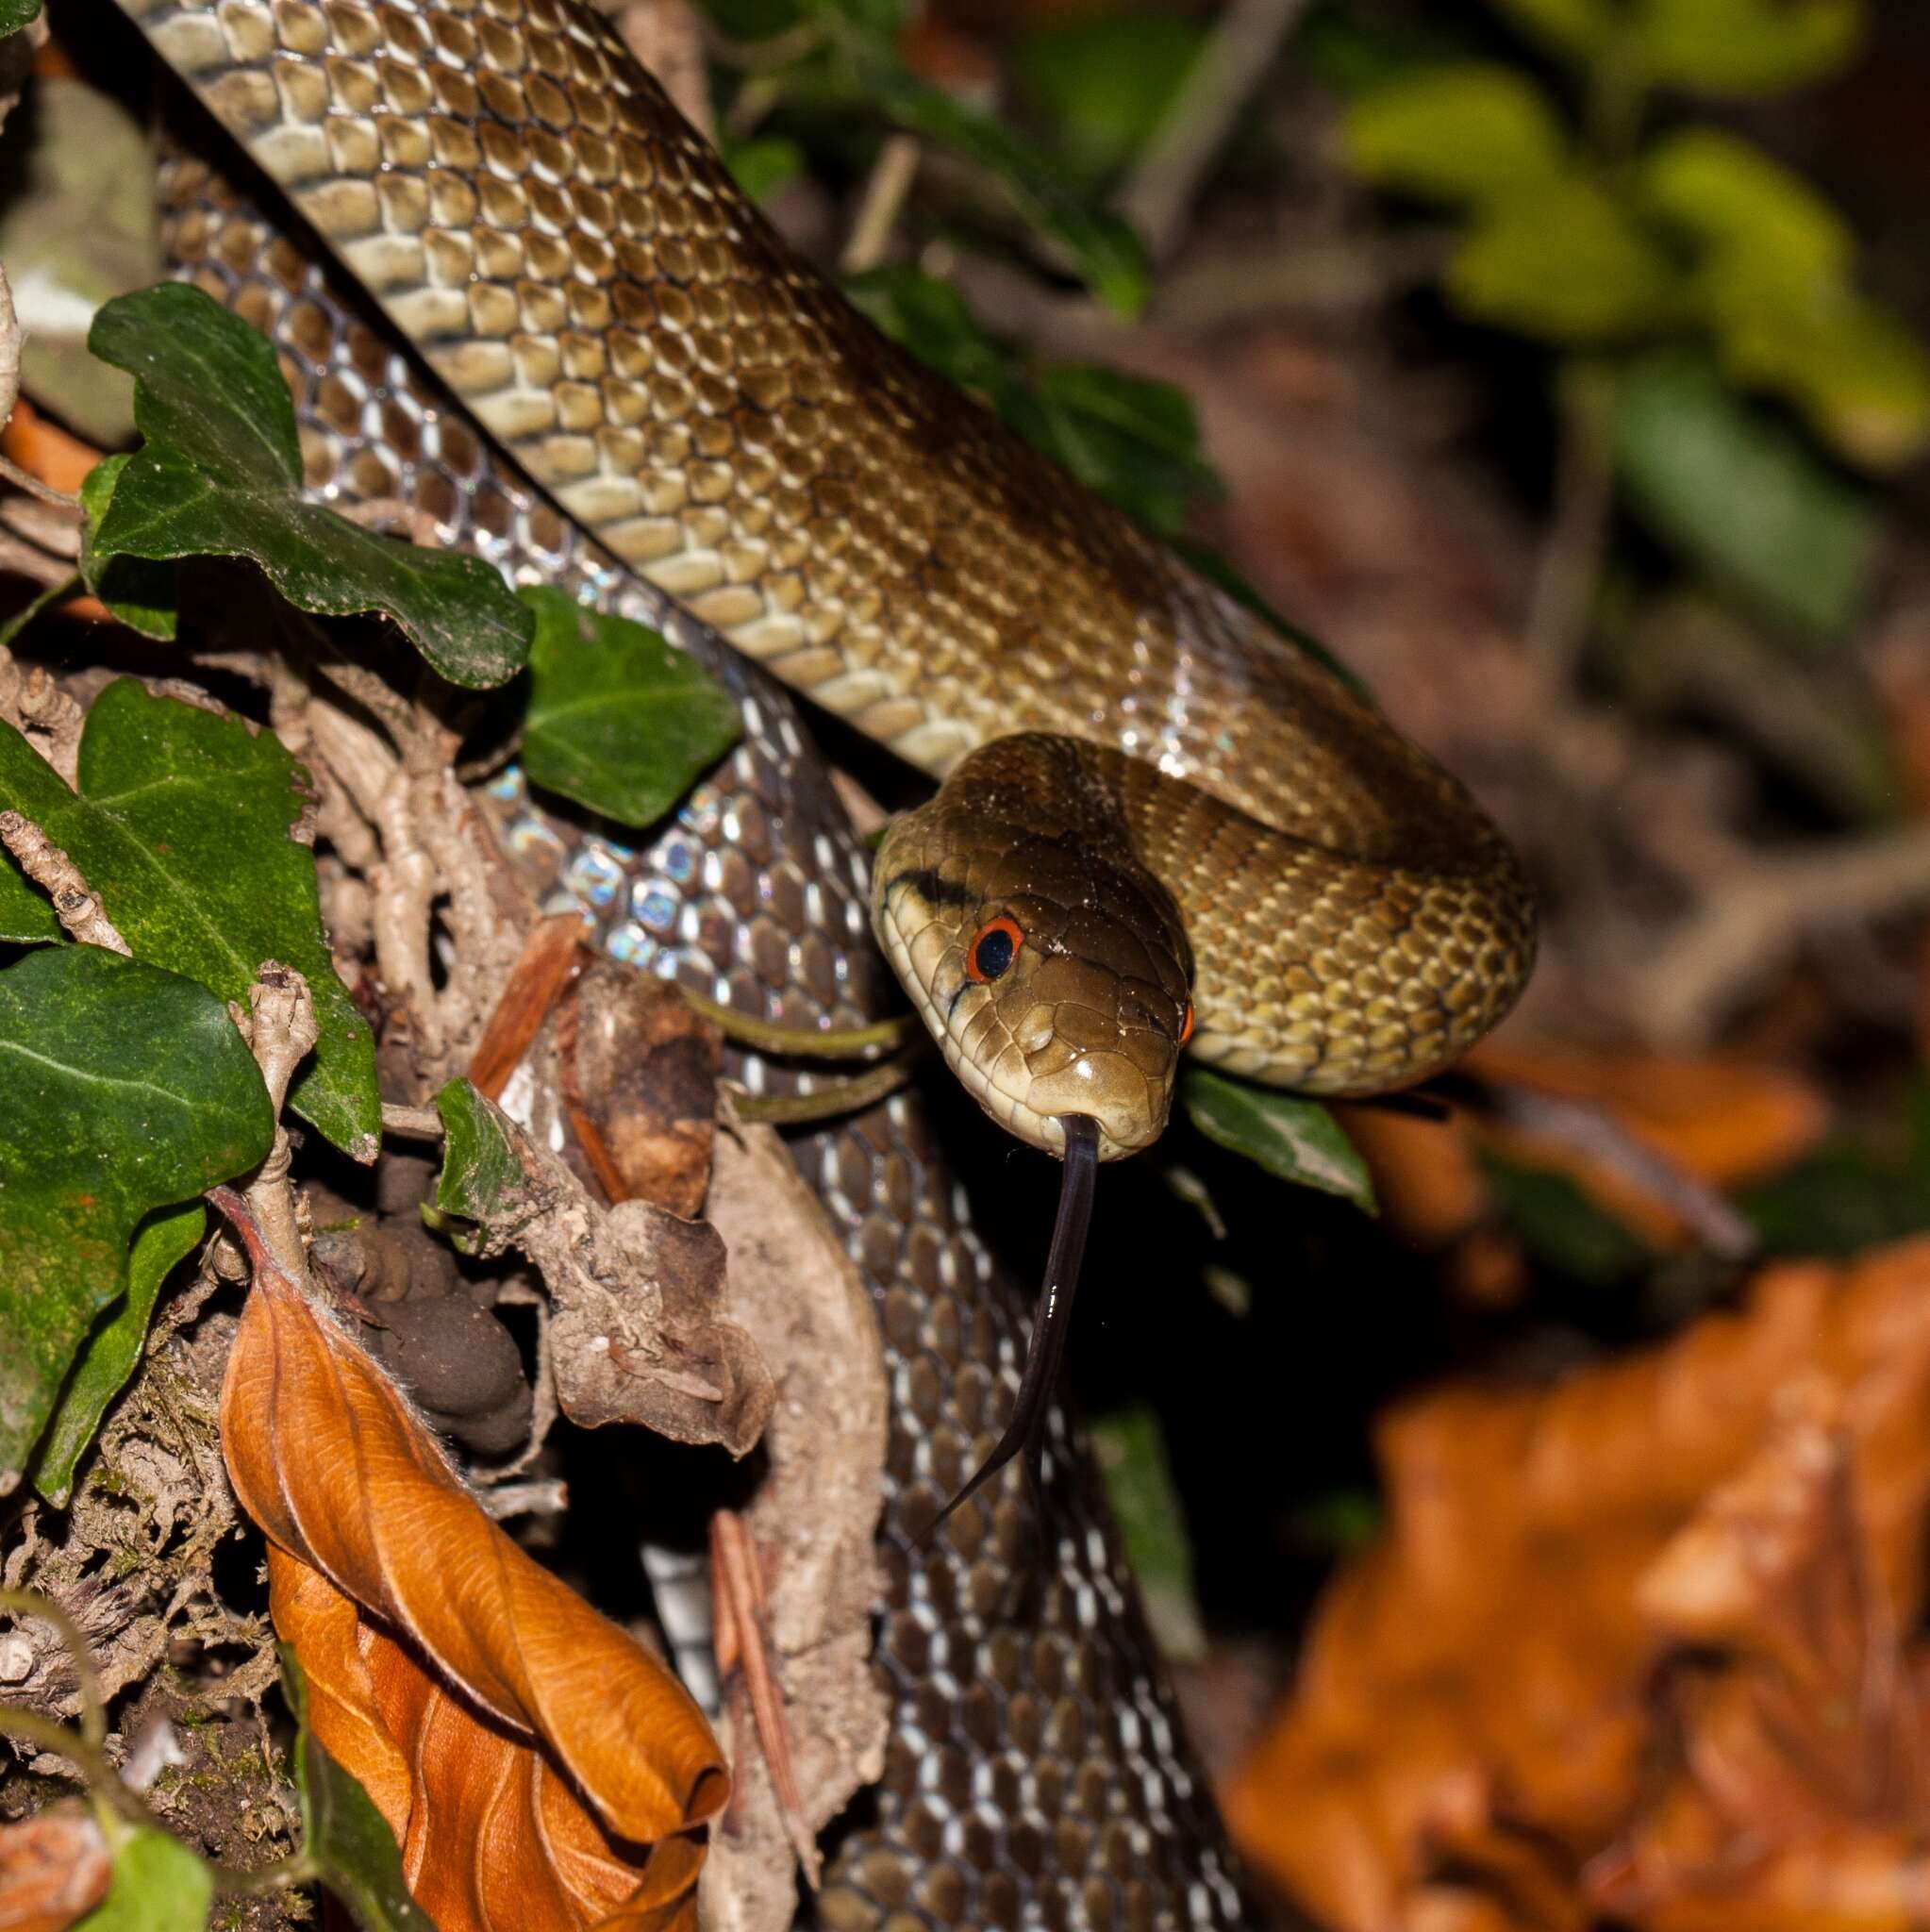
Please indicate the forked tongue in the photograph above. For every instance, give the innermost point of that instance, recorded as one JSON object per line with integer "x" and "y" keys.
{"x": 1053, "y": 1320}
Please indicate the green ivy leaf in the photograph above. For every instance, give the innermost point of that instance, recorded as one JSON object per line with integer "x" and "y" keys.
{"x": 1131, "y": 1449}
{"x": 220, "y": 475}
{"x": 159, "y": 1884}
{"x": 1294, "y": 1138}
{"x": 15, "y": 14}
{"x": 123, "y": 1089}
{"x": 26, "y": 919}
{"x": 1102, "y": 86}
{"x": 343, "y": 1835}
{"x": 144, "y": 595}
{"x": 1463, "y": 132}
{"x": 1744, "y": 47}
{"x": 183, "y": 828}
{"x": 1563, "y": 262}
{"x": 1104, "y": 250}
{"x": 481, "y": 1181}
{"x": 1744, "y": 495}
{"x": 619, "y": 720}
{"x": 112, "y": 1350}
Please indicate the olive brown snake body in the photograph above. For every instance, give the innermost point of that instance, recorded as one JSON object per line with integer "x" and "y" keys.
{"x": 571, "y": 261}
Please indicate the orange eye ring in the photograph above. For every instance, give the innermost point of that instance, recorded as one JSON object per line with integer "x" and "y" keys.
{"x": 993, "y": 948}
{"x": 1186, "y": 1025}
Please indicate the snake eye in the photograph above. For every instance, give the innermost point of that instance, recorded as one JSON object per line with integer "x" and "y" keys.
{"x": 1186, "y": 1025}
{"x": 993, "y": 947}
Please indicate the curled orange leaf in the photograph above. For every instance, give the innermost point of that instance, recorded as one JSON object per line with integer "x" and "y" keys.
{"x": 538, "y": 1768}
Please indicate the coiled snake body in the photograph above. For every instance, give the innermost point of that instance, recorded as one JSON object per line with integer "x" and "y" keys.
{"x": 575, "y": 266}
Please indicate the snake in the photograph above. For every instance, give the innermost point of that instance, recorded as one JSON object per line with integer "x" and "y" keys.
{"x": 515, "y": 290}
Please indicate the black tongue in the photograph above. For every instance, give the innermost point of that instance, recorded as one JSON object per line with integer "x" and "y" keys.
{"x": 1053, "y": 1320}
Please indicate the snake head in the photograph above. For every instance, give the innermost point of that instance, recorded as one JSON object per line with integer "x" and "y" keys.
{"x": 1052, "y": 969}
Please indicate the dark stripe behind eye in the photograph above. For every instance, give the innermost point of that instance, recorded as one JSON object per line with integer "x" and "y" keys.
{"x": 930, "y": 887}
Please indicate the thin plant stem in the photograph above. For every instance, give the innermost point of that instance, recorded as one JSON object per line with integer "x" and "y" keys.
{"x": 54, "y": 593}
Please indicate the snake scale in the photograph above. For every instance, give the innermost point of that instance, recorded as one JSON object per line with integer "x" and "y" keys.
{"x": 698, "y": 431}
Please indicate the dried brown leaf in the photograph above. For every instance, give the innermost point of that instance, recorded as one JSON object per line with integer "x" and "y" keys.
{"x": 538, "y": 1766}
{"x": 1630, "y": 1643}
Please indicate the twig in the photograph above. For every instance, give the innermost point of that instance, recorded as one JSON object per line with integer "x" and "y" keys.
{"x": 738, "y": 1593}
{"x": 93, "y": 1712}
{"x": 1751, "y": 924}
{"x": 889, "y": 182}
{"x": 1569, "y": 567}
{"x": 58, "y": 592}
{"x": 1218, "y": 85}
{"x": 280, "y": 1030}
{"x": 74, "y": 906}
{"x": 1601, "y": 1139}
{"x": 411, "y": 1122}
{"x": 1324, "y": 274}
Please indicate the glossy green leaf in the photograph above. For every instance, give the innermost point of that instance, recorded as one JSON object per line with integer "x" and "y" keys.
{"x": 1740, "y": 493}
{"x": 123, "y": 1089}
{"x": 1744, "y": 47}
{"x": 144, "y": 595}
{"x": 1462, "y": 132}
{"x": 347, "y": 1839}
{"x": 15, "y": 14}
{"x": 1131, "y": 1450}
{"x": 112, "y": 1349}
{"x": 1290, "y": 1136}
{"x": 1725, "y": 193}
{"x": 1102, "y": 86}
{"x": 26, "y": 916}
{"x": 159, "y": 1884}
{"x": 1564, "y": 262}
{"x": 1105, "y": 252}
{"x": 220, "y": 475}
{"x": 185, "y": 829}
{"x": 619, "y": 720}
{"x": 481, "y": 1179}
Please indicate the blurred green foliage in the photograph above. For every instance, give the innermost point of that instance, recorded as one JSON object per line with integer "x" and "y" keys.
{"x": 838, "y": 64}
{"x": 1718, "y": 281}
{"x": 1100, "y": 87}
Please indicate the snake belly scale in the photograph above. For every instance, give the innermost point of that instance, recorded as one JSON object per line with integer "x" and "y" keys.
{"x": 575, "y": 265}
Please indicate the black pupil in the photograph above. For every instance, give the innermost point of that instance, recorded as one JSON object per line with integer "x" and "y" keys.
{"x": 993, "y": 952}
